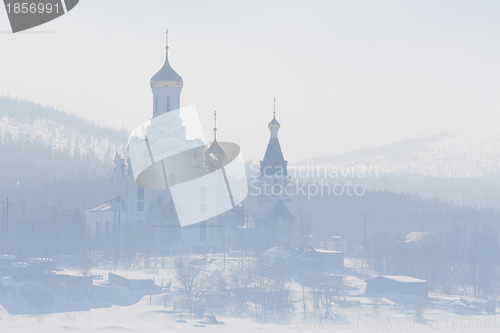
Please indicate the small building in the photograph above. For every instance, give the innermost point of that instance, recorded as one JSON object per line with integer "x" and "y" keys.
{"x": 42, "y": 265}
{"x": 332, "y": 261}
{"x": 403, "y": 285}
{"x": 314, "y": 242}
{"x": 46, "y": 293}
{"x": 130, "y": 284}
{"x": 336, "y": 243}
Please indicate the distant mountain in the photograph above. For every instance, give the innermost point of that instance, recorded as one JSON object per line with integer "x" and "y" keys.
{"x": 53, "y": 162}
{"x": 24, "y": 121}
{"x": 469, "y": 147}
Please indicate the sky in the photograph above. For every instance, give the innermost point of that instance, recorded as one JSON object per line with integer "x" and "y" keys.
{"x": 346, "y": 74}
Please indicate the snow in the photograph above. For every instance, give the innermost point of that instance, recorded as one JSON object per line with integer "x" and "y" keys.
{"x": 416, "y": 236}
{"x": 58, "y": 136}
{"x": 326, "y": 251}
{"x": 370, "y": 315}
{"x": 352, "y": 312}
{"x": 404, "y": 279}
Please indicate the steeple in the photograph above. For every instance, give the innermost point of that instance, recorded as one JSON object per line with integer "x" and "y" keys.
{"x": 273, "y": 164}
{"x": 274, "y": 125}
{"x": 215, "y": 154}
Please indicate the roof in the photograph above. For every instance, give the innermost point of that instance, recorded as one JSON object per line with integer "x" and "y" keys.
{"x": 166, "y": 76}
{"x": 416, "y": 236}
{"x": 336, "y": 237}
{"x": 273, "y": 155}
{"x": 280, "y": 210}
{"x": 328, "y": 251}
{"x": 274, "y": 123}
{"x": 402, "y": 278}
{"x": 111, "y": 205}
{"x": 279, "y": 252}
{"x": 41, "y": 260}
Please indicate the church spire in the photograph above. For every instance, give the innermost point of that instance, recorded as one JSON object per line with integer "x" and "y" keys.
{"x": 166, "y": 39}
{"x": 215, "y": 154}
{"x": 215, "y": 125}
{"x": 274, "y": 163}
{"x": 274, "y": 125}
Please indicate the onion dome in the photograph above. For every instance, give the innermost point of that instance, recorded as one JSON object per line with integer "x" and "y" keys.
{"x": 274, "y": 123}
{"x": 215, "y": 154}
{"x": 166, "y": 76}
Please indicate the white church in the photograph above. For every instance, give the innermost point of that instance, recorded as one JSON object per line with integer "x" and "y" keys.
{"x": 143, "y": 219}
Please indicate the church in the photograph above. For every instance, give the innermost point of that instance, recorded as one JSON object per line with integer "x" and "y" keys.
{"x": 141, "y": 219}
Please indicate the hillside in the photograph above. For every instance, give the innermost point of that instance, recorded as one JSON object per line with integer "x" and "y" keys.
{"x": 466, "y": 148}
{"x": 27, "y": 122}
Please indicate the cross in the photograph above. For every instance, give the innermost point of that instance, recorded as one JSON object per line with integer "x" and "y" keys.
{"x": 215, "y": 124}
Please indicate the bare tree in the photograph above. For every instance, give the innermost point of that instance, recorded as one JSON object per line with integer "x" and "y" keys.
{"x": 191, "y": 279}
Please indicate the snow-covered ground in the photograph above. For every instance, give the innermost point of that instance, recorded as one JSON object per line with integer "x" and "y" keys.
{"x": 143, "y": 317}
{"x": 353, "y": 312}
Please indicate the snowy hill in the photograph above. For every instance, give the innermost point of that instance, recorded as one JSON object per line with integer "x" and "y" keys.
{"x": 23, "y": 121}
{"x": 469, "y": 147}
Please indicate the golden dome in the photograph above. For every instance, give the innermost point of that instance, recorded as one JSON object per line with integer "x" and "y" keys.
{"x": 274, "y": 123}
{"x": 166, "y": 76}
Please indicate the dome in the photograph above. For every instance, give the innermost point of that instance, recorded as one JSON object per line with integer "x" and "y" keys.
{"x": 166, "y": 76}
{"x": 274, "y": 123}
{"x": 215, "y": 153}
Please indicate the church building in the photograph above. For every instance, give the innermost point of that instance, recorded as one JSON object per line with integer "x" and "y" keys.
{"x": 139, "y": 219}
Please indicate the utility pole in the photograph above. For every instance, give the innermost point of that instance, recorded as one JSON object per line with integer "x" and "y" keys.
{"x": 5, "y": 225}
{"x": 2, "y": 240}
{"x": 365, "y": 215}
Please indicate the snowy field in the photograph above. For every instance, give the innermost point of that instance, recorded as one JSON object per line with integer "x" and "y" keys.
{"x": 352, "y": 312}
{"x": 143, "y": 317}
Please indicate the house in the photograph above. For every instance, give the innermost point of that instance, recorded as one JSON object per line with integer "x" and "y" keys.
{"x": 403, "y": 285}
{"x": 336, "y": 243}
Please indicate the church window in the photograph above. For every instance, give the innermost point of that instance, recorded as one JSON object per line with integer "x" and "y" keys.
{"x": 140, "y": 193}
{"x": 203, "y": 232}
{"x": 140, "y": 206}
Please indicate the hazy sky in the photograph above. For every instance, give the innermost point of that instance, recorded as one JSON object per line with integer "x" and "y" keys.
{"x": 346, "y": 74}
